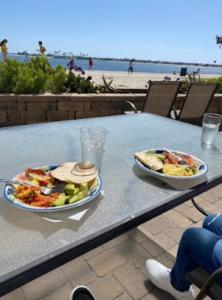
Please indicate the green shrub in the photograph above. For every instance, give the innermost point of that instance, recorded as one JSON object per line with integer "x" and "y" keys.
{"x": 8, "y": 73}
{"x": 38, "y": 76}
{"x": 77, "y": 84}
{"x": 218, "y": 81}
{"x": 192, "y": 78}
{"x": 187, "y": 82}
{"x": 41, "y": 63}
{"x": 57, "y": 80}
{"x": 29, "y": 80}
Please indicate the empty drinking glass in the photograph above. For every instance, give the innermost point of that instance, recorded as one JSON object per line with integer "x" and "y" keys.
{"x": 211, "y": 124}
{"x": 92, "y": 144}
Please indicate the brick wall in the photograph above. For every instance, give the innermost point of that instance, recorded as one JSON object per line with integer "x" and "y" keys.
{"x": 27, "y": 109}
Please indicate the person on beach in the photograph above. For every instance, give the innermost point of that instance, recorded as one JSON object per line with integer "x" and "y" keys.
{"x": 73, "y": 67}
{"x": 26, "y": 56}
{"x": 197, "y": 72}
{"x": 130, "y": 69}
{"x": 198, "y": 247}
{"x": 90, "y": 64}
{"x": 42, "y": 49}
{"x": 4, "y": 49}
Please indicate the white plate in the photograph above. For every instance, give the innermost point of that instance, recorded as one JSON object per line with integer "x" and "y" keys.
{"x": 181, "y": 182}
{"x": 8, "y": 193}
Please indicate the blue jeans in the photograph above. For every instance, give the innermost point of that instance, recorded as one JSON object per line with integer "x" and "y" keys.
{"x": 199, "y": 247}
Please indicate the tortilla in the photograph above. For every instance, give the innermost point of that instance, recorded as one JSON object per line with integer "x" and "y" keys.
{"x": 75, "y": 172}
{"x": 150, "y": 161}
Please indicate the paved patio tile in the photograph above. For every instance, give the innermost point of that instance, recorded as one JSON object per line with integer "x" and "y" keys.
{"x": 218, "y": 206}
{"x": 164, "y": 241}
{"x": 133, "y": 252}
{"x": 166, "y": 259}
{"x": 217, "y": 191}
{"x": 116, "y": 241}
{"x": 93, "y": 253}
{"x": 174, "y": 233}
{"x": 173, "y": 251}
{"x": 106, "y": 262}
{"x": 192, "y": 214}
{"x": 62, "y": 293}
{"x": 177, "y": 218}
{"x": 17, "y": 294}
{"x": 152, "y": 247}
{"x": 182, "y": 207}
{"x": 45, "y": 284}
{"x": 124, "y": 296}
{"x": 144, "y": 272}
{"x": 208, "y": 196}
{"x": 157, "y": 225}
{"x": 137, "y": 235}
{"x": 212, "y": 208}
{"x": 106, "y": 288}
{"x": 79, "y": 272}
{"x": 161, "y": 240}
{"x": 132, "y": 280}
{"x": 157, "y": 294}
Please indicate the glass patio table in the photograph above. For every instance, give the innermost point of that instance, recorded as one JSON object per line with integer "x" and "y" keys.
{"x": 35, "y": 243}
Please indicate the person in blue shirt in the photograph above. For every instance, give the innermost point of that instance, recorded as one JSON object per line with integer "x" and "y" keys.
{"x": 130, "y": 68}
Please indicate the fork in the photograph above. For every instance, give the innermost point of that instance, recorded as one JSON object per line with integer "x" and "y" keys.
{"x": 44, "y": 190}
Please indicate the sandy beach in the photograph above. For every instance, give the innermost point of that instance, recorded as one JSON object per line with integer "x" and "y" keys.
{"x": 136, "y": 80}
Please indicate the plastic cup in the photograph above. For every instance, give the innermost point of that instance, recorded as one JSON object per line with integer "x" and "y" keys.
{"x": 92, "y": 144}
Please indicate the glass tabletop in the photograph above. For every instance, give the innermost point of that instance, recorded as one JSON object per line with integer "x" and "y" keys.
{"x": 28, "y": 238}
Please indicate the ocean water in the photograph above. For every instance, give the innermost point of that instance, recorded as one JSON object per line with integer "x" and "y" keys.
{"x": 122, "y": 66}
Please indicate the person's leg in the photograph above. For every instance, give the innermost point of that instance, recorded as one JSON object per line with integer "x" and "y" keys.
{"x": 198, "y": 247}
{"x": 81, "y": 293}
{"x": 213, "y": 223}
{"x": 159, "y": 275}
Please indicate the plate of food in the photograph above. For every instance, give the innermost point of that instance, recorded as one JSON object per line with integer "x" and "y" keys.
{"x": 54, "y": 188}
{"x": 170, "y": 165}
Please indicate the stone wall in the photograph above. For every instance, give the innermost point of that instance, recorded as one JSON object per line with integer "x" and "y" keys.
{"x": 27, "y": 109}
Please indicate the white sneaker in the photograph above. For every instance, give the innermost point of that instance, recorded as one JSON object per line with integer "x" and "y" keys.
{"x": 159, "y": 275}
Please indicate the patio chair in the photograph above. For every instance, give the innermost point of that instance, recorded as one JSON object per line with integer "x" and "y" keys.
{"x": 160, "y": 98}
{"x": 196, "y": 102}
{"x": 207, "y": 283}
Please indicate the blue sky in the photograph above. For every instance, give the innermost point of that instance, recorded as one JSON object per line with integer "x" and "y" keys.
{"x": 176, "y": 30}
